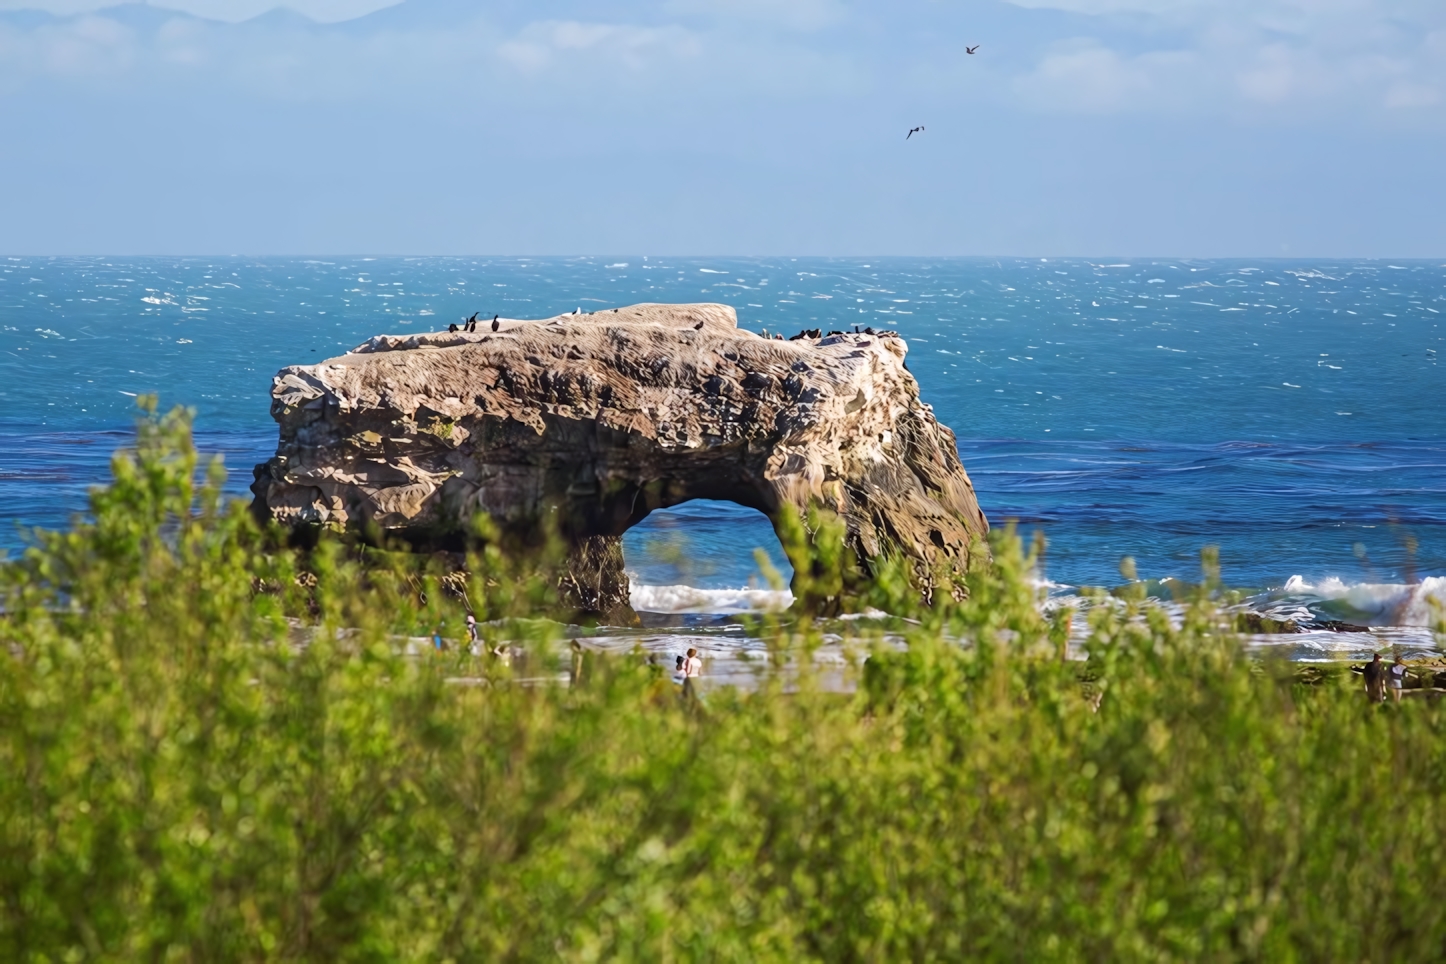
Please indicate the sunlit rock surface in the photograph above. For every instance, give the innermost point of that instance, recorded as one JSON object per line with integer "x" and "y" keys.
{"x": 581, "y": 425}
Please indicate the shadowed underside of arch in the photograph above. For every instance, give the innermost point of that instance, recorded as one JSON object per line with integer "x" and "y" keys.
{"x": 577, "y": 427}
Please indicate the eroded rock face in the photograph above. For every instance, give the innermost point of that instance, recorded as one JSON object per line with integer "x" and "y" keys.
{"x": 583, "y": 424}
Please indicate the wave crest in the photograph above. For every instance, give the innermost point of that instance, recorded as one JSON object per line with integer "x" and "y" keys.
{"x": 722, "y": 602}
{"x": 1398, "y": 604}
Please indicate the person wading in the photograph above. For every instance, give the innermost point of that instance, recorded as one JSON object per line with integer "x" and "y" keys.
{"x": 692, "y": 670}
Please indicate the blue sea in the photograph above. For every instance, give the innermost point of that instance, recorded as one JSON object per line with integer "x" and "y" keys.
{"x": 1292, "y": 413}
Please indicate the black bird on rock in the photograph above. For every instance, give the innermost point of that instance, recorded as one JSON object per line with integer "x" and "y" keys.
{"x": 452, "y": 327}
{"x": 472, "y": 322}
{"x": 495, "y": 323}
{"x": 698, "y": 326}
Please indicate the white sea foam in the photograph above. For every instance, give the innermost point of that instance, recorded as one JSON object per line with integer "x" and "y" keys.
{"x": 1398, "y": 604}
{"x": 690, "y": 599}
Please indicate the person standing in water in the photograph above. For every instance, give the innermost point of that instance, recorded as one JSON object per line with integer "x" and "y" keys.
{"x": 1396, "y": 677}
{"x": 692, "y": 670}
{"x": 1375, "y": 674}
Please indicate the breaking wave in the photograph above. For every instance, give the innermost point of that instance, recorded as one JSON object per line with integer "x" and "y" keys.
{"x": 722, "y": 602}
{"x": 1379, "y": 604}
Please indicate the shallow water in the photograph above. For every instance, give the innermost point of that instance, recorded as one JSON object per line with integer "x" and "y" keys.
{"x": 1288, "y": 412}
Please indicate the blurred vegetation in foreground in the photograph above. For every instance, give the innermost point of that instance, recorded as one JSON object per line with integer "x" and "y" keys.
{"x": 215, "y": 749}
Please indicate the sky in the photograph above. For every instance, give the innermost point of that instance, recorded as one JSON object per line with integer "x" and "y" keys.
{"x": 1184, "y": 128}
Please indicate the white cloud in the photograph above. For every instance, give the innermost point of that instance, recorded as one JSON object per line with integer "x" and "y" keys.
{"x": 549, "y": 44}
{"x": 1103, "y": 7}
{"x": 87, "y": 46}
{"x": 1410, "y": 95}
{"x": 1223, "y": 55}
{"x": 1083, "y": 75}
{"x": 798, "y": 14}
{"x": 1326, "y": 57}
{"x": 228, "y": 11}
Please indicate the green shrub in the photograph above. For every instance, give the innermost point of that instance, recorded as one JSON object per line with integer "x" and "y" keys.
{"x": 214, "y": 748}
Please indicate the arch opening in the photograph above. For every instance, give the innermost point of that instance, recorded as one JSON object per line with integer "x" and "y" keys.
{"x": 697, "y": 557}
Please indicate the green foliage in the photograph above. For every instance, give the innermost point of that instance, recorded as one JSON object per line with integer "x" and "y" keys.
{"x": 215, "y": 749}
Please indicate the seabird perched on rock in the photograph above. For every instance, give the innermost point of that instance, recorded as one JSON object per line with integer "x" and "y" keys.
{"x": 472, "y": 322}
{"x": 698, "y": 326}
{"x": 495, "y": 323}
{"x": 452, "y": 327}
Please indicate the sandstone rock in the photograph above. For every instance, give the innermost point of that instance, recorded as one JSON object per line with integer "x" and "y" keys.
{"x": 585, "y": 423}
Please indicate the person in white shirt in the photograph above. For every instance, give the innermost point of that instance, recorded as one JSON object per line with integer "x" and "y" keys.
{"x": 1396, "y": 678}
{"x": 692, "y": 669}
{"x": 692, "y": 666}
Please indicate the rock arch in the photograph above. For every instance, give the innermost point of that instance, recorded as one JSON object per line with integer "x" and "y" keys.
{"x": 583, "y": 424}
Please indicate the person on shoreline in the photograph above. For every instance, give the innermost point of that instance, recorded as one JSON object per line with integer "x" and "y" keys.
{"x": 1396, "y": 677}
{"x": 1375, "y": 674}
{"x": 692, "y": 670}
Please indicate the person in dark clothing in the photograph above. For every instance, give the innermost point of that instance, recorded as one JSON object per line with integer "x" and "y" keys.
{"x": 1375, "y": 674}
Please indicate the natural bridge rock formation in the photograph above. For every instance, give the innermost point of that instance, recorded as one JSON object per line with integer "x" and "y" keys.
{"x": 581, "y": 425}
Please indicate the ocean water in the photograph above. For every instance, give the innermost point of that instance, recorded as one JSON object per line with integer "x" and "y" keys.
{"x": 1291, "y": 413}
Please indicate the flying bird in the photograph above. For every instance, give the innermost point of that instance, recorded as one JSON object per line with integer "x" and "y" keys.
{"x": 914, "y": 131}
{"x": 970, "y": 50}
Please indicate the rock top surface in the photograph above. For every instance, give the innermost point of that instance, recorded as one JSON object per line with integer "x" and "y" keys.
{"x": 582, "y": 424}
